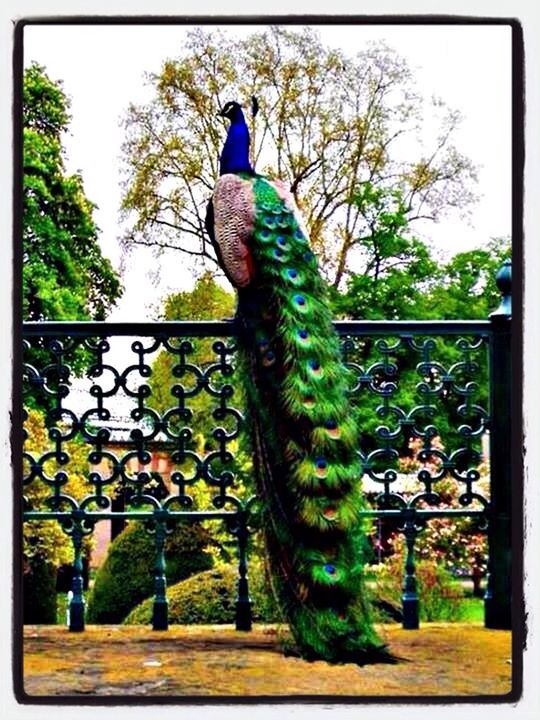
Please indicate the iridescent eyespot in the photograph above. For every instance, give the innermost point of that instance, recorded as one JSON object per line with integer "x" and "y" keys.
{"x": 303, "y": 334}
{"x": 278, "y": 253}
{"x": 291, "y": 272}
{"x": 314, "y": 364}
{"x": 299, "y": 300}
{"x": 269, "y": 358}
{"x": 329, "y": 512}
{"x": 332, "y": 429}
{"x": 281, "y": 241}
{"x": 329, "y": 568}
{"x": 320, "y": 467}
{"x": 298, "y": 234}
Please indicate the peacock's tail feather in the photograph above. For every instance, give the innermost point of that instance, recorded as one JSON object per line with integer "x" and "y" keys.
{"x": 305, "y": 439}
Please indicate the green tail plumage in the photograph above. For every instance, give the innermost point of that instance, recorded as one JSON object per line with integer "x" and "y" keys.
{"x": 306, "y": 442}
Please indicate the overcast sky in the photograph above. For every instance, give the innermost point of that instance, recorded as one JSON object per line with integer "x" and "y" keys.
{"x": 102, "y": 69}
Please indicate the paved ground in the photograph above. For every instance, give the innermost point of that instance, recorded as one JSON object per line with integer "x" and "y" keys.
{"x": 442, "y": 660}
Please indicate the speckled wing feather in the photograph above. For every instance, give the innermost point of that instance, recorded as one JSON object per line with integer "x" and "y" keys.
{"x": 304, "y": 436}
{"x": 232, "y": 205}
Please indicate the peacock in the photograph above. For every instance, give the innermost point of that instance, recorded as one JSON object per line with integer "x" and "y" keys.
{"x": 304, "y": 437}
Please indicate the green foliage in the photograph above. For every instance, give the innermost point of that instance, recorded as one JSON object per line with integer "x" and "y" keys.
{"x": 466, "y": 287}
{"x": 209, "y": 598}
{"x": 126, "y": 576}
{"x": 327, "y": 123}
{"x": 397, "y": 266}
{"x": 440, "y": 596}
{"x": 44, "y": 540}
{"x": 64, "y": 274}
{"x": 206, "y": 301}
{"x": 402, "y": 281}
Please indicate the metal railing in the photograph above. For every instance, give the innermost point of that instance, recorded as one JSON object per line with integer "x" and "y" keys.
{"x": 431, "y": 392}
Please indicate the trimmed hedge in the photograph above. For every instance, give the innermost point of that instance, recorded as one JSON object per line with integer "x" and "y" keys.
{"x": 39, "y": 593}
{"x": 126, "y": 576}
{"x": 209, "y": 598}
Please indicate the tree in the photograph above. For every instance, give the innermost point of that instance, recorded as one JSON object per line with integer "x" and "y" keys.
{"x": 413, "y": 286}
{"x": 402, "y": 281}
{"x": 466, "y": 286}
{"x": 207, "y": 301}
{"x": 65, "y": 276}
{"x": 397, "y": 266}
{"x": 327, "y": 124}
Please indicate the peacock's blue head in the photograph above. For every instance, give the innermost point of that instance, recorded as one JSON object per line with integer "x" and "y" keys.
{"x": 232, "y": 111}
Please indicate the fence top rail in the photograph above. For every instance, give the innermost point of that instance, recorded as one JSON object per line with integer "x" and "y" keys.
{"x": 403, "y": 513}
{"x": 229, "y": 328}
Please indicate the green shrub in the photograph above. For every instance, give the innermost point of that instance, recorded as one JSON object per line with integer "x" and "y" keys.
{"x": 209, "y": 598}
{"x": 440, "y": 596}
{"x": 39, "y": 592}
{"x": 126, "y": 576}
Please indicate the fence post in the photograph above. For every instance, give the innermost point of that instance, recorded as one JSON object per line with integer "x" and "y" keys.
{"x": 160, "y": 620}
{"x": 497, "y": 600}
{"x": 243, "y": 602}
{"x": 409, "y": 596}
{"x": 76, "y": 603}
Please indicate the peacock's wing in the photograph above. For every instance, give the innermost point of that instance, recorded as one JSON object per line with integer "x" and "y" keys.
{"x": 304, "y": 437}
{"x": 229, "y": 220}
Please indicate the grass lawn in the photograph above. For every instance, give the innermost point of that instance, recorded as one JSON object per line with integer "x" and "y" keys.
{"x": 473, "y": 610}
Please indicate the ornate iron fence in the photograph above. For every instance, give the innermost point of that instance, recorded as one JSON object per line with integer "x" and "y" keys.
{"x": 427, "y": 396}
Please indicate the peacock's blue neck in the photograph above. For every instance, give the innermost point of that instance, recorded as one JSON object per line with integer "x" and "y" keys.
{"x": 235, "y": 154}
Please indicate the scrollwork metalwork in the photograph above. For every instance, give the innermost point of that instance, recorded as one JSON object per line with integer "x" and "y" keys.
{"x": 161, "y": 426}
